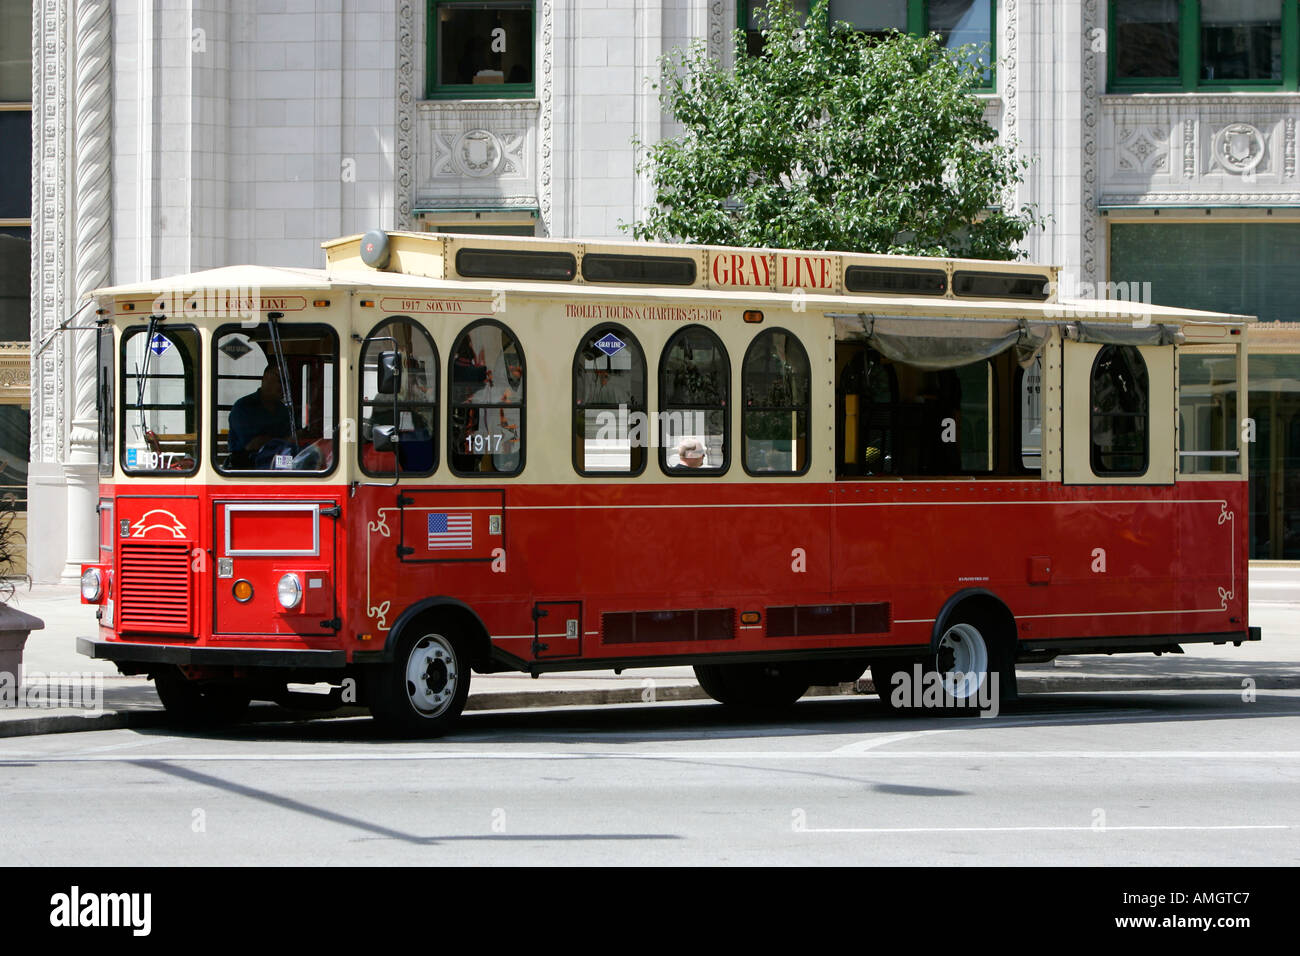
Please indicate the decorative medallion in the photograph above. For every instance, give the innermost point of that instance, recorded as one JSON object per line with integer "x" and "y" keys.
{"x": 1239, "y": 147}
{"x": 477, "y": 153}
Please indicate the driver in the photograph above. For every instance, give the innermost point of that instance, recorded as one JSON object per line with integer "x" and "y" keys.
{"x": 260, "y": 422}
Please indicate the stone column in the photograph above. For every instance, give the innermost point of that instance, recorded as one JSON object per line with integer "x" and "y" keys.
{"x": 93, "y": 241}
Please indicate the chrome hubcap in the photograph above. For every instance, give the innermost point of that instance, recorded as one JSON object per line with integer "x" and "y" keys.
{"x": 963, "y": 660}
{"x": 432, "y": 675}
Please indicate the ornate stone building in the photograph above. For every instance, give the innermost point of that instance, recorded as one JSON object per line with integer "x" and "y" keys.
{"x": 176, "y": 135}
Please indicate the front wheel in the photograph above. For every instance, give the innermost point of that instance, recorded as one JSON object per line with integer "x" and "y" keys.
{"x": 191, "y": 704}
{"x": 423, "y": 691}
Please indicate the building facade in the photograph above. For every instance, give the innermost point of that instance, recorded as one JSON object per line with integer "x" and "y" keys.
{"x": 175, "y": 135}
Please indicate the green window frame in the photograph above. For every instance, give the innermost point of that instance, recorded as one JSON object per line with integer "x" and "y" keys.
{"x": 435, "y": 89}
{"x": 918, "y": 24}
{"x": 1189, "y": 79}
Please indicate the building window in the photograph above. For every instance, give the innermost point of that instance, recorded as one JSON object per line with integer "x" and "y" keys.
{"x": 487, "y": 402}
{"x": 479, "y": 222}
{"x": 1120, "y": 401}
{"x": 415, "y": 404}
{"x": 694, "y": 381}
{"x": 1192, "y": 45}
{"x": 610, "y": 430}
{"x": 968, "y": 24}
{"x": 776, "y": 381}
{"x": 480, "y": 50}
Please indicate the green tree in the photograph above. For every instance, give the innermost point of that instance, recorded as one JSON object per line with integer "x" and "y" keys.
{"x": 831, "y": 139}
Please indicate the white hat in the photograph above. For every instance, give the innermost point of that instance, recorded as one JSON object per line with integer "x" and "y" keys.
{"x": 690, "y": 448}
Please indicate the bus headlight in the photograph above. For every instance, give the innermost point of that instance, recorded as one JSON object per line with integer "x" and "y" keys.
{"x": 289, "y": 591}
{"x": 92, "y": 585}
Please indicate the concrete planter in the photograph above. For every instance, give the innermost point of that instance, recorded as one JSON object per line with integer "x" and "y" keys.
{"x": 15, "y": 626}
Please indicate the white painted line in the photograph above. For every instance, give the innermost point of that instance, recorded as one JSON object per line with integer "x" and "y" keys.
{"x": 945, "y": 755}
{"x": 1079, "y": 829}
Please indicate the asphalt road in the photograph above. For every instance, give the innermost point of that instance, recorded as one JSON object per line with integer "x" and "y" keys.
{"x": 1200, "y": 778}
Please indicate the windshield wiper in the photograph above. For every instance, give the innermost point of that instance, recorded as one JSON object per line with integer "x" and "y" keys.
{"x": 286, "y": 396}
{"x": 142, "y": 372}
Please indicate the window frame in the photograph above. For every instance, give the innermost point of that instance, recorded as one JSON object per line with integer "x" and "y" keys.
{"x": 918, "y": 24}
{"x": 745, "y": 409}
{"x": 197, "y": 369}
{"x": 696, "y": 473}
{"x": 522, "y": 407}
{"x": 1189, "y": 58}
{"x": 435, "y": 419}
{"x": 1093, "y": 416}
{"x": 628, "y": 338}
{"x": 217, "y": 333}
{"x": 433, "y": 90}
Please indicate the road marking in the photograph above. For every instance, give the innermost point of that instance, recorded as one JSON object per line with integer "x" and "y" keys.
{"x": 1078, "y": 829}
{"x": 946, "y": 755}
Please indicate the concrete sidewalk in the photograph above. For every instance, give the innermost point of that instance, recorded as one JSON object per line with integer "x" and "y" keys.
{"x": 84, "y": 694}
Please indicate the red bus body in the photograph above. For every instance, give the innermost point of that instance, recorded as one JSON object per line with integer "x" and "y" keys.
{"x": 540, "y": 575}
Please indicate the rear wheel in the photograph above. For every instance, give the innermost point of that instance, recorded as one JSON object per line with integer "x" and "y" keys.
{"x": 423, "y": 691}
{"x": 190, "y": 703}
{"x": 961, "y": 673}
{"x": 751, "y": 686}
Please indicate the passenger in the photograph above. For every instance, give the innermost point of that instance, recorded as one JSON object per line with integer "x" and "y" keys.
{"x": 260, "y": 425}
{"x": 691, "y": 453}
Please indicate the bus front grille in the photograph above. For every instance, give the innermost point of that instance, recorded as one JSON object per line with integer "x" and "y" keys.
{"x": 154, "y": 595}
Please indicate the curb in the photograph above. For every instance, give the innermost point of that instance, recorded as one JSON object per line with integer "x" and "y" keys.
{"x": 520, "y": 700}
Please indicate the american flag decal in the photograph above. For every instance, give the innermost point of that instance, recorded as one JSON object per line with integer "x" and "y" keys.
{"x": 450, "y": 531}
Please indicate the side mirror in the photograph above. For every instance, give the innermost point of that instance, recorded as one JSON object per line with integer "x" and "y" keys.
{"x": 390, "y": 373}
{"x": 385, "y": 437}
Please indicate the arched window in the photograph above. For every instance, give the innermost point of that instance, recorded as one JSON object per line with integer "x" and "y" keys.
{"x": 610, "y": 431}
{"x": 160, "y": 399}
{"x": 416, "y": 402}
{"x": 486, "y": 402}
{"x": 1120, "y": 428}
{"x": 776, "y": 383}
{"x": 694, "y": 381}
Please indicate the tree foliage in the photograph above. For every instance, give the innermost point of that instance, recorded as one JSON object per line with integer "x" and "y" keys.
{"x": 831, "y": 139}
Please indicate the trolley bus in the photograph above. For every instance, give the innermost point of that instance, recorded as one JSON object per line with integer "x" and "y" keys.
{"x": 448, "y": 454}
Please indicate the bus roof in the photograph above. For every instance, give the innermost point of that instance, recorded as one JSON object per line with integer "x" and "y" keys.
{"x": 429, "y": 263}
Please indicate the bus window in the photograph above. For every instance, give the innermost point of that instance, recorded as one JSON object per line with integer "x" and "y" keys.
{"x": 694, "y": 379}
{"x": 486, "y": 405}
{"x": 160, "y": 396}
{"x": 1031, "y": 416}
{"x": 776, "y": 378}
{"x": 417, "y": 409}
{"x": 1207, "y": 407}
{"x": 609, "y": 386}
{"x": 276, "y": 401}
{"x": 903, "y": 420}
{"x": 1120, "y": 400}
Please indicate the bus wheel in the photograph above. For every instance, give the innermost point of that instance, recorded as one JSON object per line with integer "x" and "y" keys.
{"x": 750, "y": 686}
{"x": 954, "y": 677}
{"x": 422, "y": 693}
{"x": 189, "y": 703}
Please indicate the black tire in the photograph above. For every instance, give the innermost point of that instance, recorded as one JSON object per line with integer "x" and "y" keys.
{"x": 967, "y": 658}
{"x": 191, "y": 704}
{"x": 751, "y": 686}
{"x": 422, "y": 692}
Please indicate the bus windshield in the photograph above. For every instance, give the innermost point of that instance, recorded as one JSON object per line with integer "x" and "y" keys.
{"x": 276, "y": 398}
{"x": 160, "y": 389}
